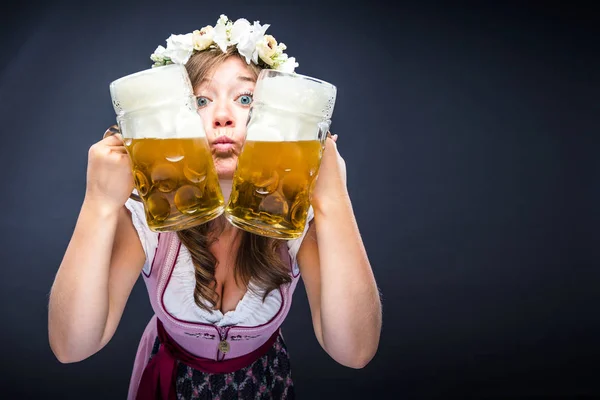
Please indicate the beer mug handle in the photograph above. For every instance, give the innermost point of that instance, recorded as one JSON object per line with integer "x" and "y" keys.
{"x": 112, "y": 130}
{"x": 324, "y": 131}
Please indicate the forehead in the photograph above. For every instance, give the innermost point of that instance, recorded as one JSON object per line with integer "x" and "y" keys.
{"x": 232, "y": 71}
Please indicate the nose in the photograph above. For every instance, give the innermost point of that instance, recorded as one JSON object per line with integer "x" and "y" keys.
{"x": 223, "y": 117}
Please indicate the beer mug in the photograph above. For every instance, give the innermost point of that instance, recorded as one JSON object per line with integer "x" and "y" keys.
{"x": 279, "y": 162}
{"x": 164, "y": 136}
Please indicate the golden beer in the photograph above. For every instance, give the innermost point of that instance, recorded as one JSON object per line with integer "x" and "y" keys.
{"x": 272, "y": 186}
{"x": 177, "y": 182}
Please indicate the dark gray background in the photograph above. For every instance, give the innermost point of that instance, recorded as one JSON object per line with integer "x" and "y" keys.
{"x": 469, "y": 133}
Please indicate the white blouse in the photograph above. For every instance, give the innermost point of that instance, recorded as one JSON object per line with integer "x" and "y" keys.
{"x": 179, "y": 293}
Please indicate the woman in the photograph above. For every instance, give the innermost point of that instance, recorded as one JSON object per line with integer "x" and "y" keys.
{"x": 220, "y": 294}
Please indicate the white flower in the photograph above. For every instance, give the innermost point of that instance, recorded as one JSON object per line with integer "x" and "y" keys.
{"x": 257, "y": 34}
{"x": 250, "y": 41}
{"x": 183, "y": 42}
{"x": 203, "y": 38}
{"x": 246, "y": 37}
{"x": 288, "y": 65}
{"x": 179, "y": 48}
{"x": 267, "y": 48}
{"x": 240, "y": 29}
{"x": 223, "y": 20}
{"x": 279, "y": 59}
{"x": 158, "y": 56}
{"x": 221, "y": 34}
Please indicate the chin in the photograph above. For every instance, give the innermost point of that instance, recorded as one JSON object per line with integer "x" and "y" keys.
{"x": 225, "y": 168}
{"x": 225, "y": 175}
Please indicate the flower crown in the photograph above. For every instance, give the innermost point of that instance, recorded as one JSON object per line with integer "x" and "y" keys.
{"x": 250, "y": 41}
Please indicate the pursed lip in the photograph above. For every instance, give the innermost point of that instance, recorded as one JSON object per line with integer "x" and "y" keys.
{"x": 223, "y": 145}
{"x": 222, "y": 140}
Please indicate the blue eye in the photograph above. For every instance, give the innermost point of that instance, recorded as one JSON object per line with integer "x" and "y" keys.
{"x": 202, "y": 101}
{"x": 245, "y": 99}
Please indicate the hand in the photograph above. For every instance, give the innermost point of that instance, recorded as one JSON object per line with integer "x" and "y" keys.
{"x": 109, "y": 176}
{"x": 331, "y": 182}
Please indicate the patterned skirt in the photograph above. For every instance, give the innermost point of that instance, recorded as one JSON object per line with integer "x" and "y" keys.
{"x": 267, "y": 378}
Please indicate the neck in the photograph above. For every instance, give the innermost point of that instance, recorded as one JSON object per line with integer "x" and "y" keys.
{"x": 221, "y": 224}
{"x": 226, "y": 185}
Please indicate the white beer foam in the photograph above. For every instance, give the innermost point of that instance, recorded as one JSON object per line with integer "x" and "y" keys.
{"x": 277, "y": 98}
{"x": 157, "y": 103}
{"x": 298, "y": 94}
{"x": 150, "y": 87}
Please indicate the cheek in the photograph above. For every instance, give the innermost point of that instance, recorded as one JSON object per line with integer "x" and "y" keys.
{"x": 242, "y": 120}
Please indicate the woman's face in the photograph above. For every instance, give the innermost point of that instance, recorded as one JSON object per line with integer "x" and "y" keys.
{"x": 223, "y": 103}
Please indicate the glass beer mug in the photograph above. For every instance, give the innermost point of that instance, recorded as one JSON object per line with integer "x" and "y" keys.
{"x": 279, "y": 162}
{"x": 164, "y": 136}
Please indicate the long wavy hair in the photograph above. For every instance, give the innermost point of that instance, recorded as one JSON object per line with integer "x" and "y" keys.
{"x": 258, "y": 258}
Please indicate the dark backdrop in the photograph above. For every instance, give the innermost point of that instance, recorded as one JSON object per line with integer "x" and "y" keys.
{"x": 469, "y": 132}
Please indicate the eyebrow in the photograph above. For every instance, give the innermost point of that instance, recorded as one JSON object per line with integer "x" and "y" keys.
{"x": 246, "y": 79}
{"x": 242, "y": 78}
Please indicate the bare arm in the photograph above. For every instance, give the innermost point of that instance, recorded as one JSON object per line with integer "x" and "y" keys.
{"x": 341, "y": 288}
{"x": 100, "y": 266}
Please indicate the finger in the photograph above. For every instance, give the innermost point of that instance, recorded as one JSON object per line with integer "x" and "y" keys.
{"x": 121, "y": 157}
{"x": 335, "y": 137}
{"x": 118, "y": 149}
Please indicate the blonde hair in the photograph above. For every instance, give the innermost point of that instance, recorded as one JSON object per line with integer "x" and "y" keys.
{"x": 203, "y": 63}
